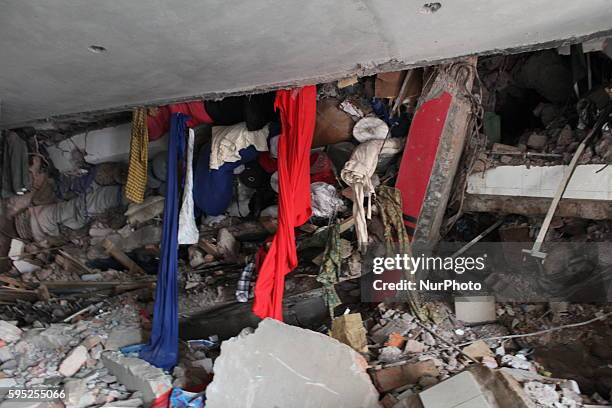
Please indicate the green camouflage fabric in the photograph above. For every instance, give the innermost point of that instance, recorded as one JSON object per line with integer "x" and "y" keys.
{"x": 328, "y": 274}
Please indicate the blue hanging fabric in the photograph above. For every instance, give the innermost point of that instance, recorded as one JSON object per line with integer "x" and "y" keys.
{"x": 162, "y": 349}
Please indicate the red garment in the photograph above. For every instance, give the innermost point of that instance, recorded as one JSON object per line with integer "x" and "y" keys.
{"x": 297, "y": 111}
{"x": 160, "y": 123}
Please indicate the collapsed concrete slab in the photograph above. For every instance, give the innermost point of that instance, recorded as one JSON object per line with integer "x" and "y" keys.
{"x": 589, "y": 182}
{"x": 286, "y": 366}
{"x": 138, "y": 375}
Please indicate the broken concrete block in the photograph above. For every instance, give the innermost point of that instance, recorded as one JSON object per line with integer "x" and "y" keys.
{"x": 413, "y": 346}
{"x": 91, "y": 341}
{"x": 9, "y": 332}
{"x": 123, "y": 336}
{"x": 56, "y": 336}
{"x": 5, "y": 354}
{"x": 260, "y": 371}
{"x": 348, "y": 329}
{"x": 478, "y": 350}
{"x": 390, "y": 354}
{"x": 389, "y": 378}
{"x": 537, "y": 141}
{"x": 77, "y": 394}
{"x": 475, "y": 309}
{"x": 137, "y": 375}
{"x": 74, "y": 361}
{"x": 454, "y": 392}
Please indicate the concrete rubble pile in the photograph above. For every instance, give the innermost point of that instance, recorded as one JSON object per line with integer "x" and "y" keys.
{"x": 72, "y": 355}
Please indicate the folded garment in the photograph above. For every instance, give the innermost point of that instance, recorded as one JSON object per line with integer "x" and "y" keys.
{"x": 213, "y": 188}
{"x": 228, "y": 141}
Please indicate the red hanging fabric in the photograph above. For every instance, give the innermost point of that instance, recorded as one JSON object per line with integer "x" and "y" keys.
{"x": 297, "y": 112}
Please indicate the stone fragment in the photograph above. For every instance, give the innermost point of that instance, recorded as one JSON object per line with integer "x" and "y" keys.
{"x": 5, "y": 354}
{"x": 137, "y": 375}
{"x": 328, "y": 372}
{"x": 389, "y": 378}
{"x": 518, "y": 361}
{"x": 475, "y": 309}
{"x": 7, "y": 382}
{"x": 536, "y": 141}
{"x": 413, "y": 346}
{"x": 455, "y": 392}
{"x": 123, "y": 336}
{"x": 54, "y": 337}
{"x": 9, "y": 332}
{"x": 348, "y": 329}
{"x": 428, "y": 339}
{"x": 389, "y": 354}
{"x": 92, "y": 277}
{"x": 545, "y": 394}
{"x": 91, "y": 341}
{"x": 478, "y": 350}
{"x": 73, "y": 362}
{"x": 566, "y": 136}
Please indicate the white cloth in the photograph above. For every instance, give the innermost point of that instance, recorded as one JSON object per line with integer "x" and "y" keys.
{"x": 357, "y": 173}
{"x": 325, "y": 201}
{"x": 188, "y": 230}
{"x": 227, "y": 141}
{"x": 370, "y": 128}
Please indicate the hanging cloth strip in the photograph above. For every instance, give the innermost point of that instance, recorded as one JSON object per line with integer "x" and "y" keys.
{"x": 162, "y": 350}
{"x": 188, "y": 232}
{"x": 328, "y": 274}
{"x": 139, "y": 155}
{"x": 357, "y": 173}
{"x": 298, "y": 112}
{"x": 15, "y": 174}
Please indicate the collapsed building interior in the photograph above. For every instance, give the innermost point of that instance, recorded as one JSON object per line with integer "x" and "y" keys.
{"x": 80, "y": 250}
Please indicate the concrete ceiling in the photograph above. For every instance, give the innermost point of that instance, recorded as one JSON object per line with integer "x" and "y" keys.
{"x": 160, "y": 51}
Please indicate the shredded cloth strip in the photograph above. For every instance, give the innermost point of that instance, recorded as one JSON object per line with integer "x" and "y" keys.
{"x": 139, "y": 155}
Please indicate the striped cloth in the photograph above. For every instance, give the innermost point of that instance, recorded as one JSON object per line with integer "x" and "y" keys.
{"x": 139, "y": 152}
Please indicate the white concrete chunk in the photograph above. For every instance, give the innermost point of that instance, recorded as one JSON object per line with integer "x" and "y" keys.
{"x": 123, "y": 336}
{"x": 137, "y": 375}
{"x": 461, "y": 391}
{"x": 73, "y": 363}
{"x": 587, "y": 182}
{"x": 9, "y": 332}
{"x": 285, "y": 366}
{"x": 475, "y": 309}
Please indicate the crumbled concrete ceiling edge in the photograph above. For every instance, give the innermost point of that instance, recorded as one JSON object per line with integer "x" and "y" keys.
{"x": 359, "y": 70}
